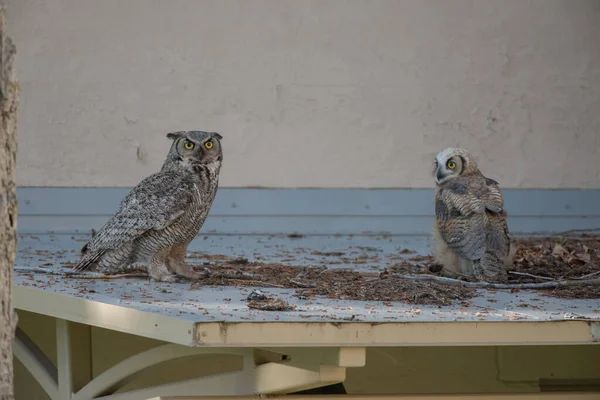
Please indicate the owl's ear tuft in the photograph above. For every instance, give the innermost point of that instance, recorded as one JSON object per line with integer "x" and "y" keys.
{"x": 217, "y": 135}
{"x": 176, "y": 135}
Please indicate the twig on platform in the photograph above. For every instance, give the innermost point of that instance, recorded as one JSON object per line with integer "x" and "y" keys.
{"x": 489, "y": 285}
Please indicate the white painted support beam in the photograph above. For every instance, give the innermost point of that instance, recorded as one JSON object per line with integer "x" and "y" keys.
{"x": 80, "y": 343}
{"x": 73, "y": 357}
{"x": 36, "y": 362}
{"x": 507, "y": 396}
{"x": 217, "y": 385}
{"x": 95, "y": 313}
{"x": 63, "y": 359}
{"x": 304, "y": 334}
{"x": 121, "y": 373}
{"x": 595, "y": 327}
{"x": 239, "y": 383}
{"x": 350, "y": 357}
{"x": 270, "y": 378}
{"x": 274, "y": 378}
{"x": 366, "y": 334}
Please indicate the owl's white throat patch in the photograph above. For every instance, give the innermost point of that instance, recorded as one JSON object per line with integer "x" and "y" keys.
{"x": 214, "y": 166}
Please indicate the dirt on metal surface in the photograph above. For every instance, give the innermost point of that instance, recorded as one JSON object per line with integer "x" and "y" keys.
{"x": 563, "y": 258}
{"x": 362, "y": 269}
{"x": 334, "y": 283}
{"x": 541, "y": 259}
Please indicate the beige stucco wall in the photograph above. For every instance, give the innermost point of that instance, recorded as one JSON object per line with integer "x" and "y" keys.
{"x": 310, "y": 93}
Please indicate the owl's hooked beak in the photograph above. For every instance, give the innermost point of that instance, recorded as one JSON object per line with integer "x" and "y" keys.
{"x": 439, "y": 174}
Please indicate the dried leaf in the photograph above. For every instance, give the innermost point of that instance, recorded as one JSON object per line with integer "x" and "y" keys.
{"x": 575, "y": 262}
{"x": 559, "y": 250}
{"x": 271, "y": 305}
{"x": 585, "y": 257}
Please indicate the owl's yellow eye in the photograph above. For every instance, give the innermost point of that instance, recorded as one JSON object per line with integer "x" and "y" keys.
{"x": 189, "y": 145}
{"x": 209, "y": 145}
{"x": 451, "y": 164}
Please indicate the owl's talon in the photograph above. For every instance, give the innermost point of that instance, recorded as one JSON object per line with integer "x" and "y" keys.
{"x": 192, "y": 275}
{"x": 173, "y": 278}
{"x": 435, "y": 268}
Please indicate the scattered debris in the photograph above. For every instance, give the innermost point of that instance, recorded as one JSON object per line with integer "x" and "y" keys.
{"x": 68, "y": 273}
{"x": 560, "y": 259}
{"x": 303, "y": 285}
{"x": 565, "y": 267}
{"x": 435, "y": 268}
{"x": 340, "y": 284}
{"x": 240, "y": 261}
{"x": 256, "y": 295}
{"x": 258, "y": 300}
{"x": 271, "y": 305}
{"x": 487, "y": 285}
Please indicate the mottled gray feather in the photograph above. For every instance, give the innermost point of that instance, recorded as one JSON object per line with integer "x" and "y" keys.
{"x": 143, "y": 209}
{"x": 467, "y": 233}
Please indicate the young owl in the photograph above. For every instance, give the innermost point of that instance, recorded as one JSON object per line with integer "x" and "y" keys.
{"x": 157, "y": 220}
{"x": 470, "y": 232}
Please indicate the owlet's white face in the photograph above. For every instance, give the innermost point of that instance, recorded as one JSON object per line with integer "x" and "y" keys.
{"x": 448, "y": 165}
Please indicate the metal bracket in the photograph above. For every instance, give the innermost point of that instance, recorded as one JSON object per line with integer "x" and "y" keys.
{"x": 265, "y": 370}
{"x": 595, "y": 329}
{"x": 36, "y": 362}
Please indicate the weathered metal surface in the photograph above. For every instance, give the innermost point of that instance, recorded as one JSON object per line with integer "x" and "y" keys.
{"x": 228, "y": 303}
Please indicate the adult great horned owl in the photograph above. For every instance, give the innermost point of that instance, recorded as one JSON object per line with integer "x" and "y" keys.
{"x": 470, "y": 232}
{"x": 157, "y": 220}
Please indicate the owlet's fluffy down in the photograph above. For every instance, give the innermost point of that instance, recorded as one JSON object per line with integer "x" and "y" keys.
{"x": 157, "y": 220}
{"x": 471, "y": 235}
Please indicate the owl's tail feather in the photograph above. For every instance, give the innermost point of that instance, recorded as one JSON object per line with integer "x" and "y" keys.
{"x": 88, "y": 260}
{"x": 490, "y": 268}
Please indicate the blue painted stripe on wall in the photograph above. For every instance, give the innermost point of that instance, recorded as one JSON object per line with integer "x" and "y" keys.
{"x": 310, "y": 211}
{"x": 307, "y": 225}
{"x": 297, "y": 202}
